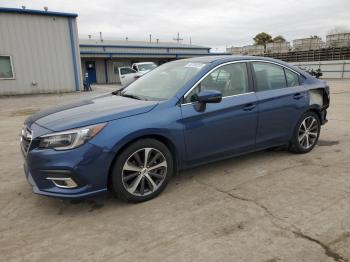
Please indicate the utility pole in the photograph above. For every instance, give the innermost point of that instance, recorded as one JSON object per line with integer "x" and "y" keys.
{"x": 150, "y": 38}
{"x": 178, "y": 39}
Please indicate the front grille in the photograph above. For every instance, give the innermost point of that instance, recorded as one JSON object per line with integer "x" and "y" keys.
{"x": 26, "y": 139}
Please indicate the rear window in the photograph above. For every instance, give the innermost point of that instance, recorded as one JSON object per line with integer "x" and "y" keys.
{"x": 292, "y": 78}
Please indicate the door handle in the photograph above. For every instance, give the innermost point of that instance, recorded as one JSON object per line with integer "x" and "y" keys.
{"x": 249, "y": 107}
{"x": 298, "y": 96}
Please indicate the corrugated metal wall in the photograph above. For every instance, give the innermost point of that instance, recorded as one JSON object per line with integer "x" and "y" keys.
{"x": 40, "y": 47}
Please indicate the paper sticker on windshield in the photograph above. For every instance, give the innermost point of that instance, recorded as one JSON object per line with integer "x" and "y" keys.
{"x": 195, "y": 65}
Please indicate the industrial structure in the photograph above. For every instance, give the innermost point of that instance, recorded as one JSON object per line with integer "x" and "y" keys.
{"x": 308, "y": 43}
{"x": 312, "y": 43}
{"x": 338, "y": 40}
{"x": 278, "y": 47}
{"x": 100, "y": 59}
{"x": 331, "y": 57}
{"x": 39, "y": 52}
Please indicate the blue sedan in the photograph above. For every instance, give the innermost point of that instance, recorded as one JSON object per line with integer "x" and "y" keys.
{"x": 182, "y": 114}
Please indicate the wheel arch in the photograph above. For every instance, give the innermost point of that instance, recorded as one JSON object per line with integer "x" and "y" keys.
{"x": 161, "y": 138}
{"x": 317, "y": 110}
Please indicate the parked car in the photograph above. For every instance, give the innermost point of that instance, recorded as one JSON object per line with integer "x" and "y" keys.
{"x": 143, "y": 67}
{"x": 130, "y": 74}
{"x": 182, "y": 114}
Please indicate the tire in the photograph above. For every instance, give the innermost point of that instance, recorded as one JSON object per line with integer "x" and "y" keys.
{"x": 134, "y": 181}
{"x": 306, "y": 133}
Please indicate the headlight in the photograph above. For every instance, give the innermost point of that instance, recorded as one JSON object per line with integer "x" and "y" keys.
{"x": 71, "y": 138}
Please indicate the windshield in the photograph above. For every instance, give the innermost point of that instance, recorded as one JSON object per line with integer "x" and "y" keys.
{"x": 146, "y": 67}
{"x": 163, "y": 82}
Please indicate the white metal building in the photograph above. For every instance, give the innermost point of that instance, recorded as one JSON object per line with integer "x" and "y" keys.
{"x": 309, "y": 43}
{"x": 278, "y": 47}
{"x": 338, "y": 40}
{"x": 101, "y": 59}
{"x": 39, "y": 52}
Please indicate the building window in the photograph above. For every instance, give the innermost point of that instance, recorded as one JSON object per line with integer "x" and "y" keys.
{"x": 6, "y": 69}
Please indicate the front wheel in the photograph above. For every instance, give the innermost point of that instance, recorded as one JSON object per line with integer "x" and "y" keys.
{"x": 142, "y": 171}
{"x": 306, "y": 133}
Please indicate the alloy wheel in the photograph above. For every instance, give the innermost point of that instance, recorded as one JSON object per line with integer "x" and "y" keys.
{"x": 308, "y": 132}
{"x": 144, "y": 171}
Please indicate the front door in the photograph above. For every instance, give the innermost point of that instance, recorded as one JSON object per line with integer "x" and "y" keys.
{"x": 91, "y": 70}
{"x": 224, "y": 128}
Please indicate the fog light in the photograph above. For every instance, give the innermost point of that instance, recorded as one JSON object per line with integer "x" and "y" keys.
{"x": 63, "y": 182}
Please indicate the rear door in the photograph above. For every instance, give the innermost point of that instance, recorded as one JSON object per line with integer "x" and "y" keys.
{"x": 127, "y": 75}
{"x": 224, "y": 128}
{"x": 281, "y": 101}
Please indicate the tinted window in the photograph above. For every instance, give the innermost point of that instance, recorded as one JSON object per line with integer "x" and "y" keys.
{"x": 269, "y": 76}
{"x": 126, "y": 70}
{"x": 146, "y": 67}
{"x": 292, "y": 78}
{"x": 230, "y": 80}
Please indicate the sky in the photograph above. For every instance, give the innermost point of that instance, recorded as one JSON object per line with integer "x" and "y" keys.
{"x": 213, "y": 23}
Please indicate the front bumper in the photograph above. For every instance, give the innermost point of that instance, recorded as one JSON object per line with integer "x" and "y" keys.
{"x": 88, "y": 166}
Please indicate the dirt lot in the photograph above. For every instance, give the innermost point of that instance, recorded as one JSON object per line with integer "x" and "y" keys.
{"x": 267, "y": 206}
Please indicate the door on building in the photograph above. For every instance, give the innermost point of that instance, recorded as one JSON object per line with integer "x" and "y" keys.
{"x": 91, "y": 70}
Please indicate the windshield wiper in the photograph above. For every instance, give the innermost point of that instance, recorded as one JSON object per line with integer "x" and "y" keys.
{"x": 132, "y": 96}
{"x": 118, "y": 92}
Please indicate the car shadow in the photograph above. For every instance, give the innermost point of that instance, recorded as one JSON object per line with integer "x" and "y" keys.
{"x": 106, "y": 201}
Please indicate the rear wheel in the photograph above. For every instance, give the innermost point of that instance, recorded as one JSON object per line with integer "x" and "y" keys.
{"x": 306, "y": 133}
{"x": 142, "y": 171}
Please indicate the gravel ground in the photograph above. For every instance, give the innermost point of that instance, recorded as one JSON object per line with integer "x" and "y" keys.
{"x": 266, "y": 206}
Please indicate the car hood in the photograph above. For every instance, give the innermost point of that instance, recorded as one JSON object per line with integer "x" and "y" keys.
{"x": 88, "y": 112}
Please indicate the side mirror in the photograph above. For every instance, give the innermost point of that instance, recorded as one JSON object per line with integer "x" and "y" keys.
{"x": 207, "y": 96}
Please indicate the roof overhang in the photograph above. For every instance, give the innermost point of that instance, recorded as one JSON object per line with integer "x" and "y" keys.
{"x": 87, "y": 54}
{"x": 35, "y": 12}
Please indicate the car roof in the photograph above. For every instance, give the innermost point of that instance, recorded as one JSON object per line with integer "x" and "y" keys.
{"x": 230, "y": 58}
{"x": 226, "y": 58}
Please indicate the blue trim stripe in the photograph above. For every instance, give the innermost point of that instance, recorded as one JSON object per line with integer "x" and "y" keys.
{"x": 35, "y": 12}
{"x": 150, "y": 54}
{"x": 74, "y": 55}
{"x": 145, "y": 46}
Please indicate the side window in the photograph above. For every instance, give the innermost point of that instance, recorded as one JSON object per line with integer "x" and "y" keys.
{"x": 269, "y": 76}
{"x": 292, "y": 78}
{"x": 126, "y": 70}
{"x": 6, "y": 70}
{"x": 229, "y": 79}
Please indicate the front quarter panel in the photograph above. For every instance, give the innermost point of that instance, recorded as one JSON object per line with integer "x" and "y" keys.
{"x": 162, "y": 121}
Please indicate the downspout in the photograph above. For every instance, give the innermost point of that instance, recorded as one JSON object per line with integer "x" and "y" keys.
{"x": 74, "y": 55}
{"x": 106, "y": 72}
